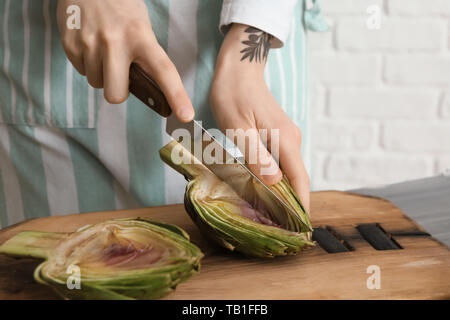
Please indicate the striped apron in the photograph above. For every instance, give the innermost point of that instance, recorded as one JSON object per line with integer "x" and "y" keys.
{"x": 64, "y": 149}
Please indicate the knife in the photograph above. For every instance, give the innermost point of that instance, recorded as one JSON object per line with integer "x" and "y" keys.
{"x": 145, "y": 89}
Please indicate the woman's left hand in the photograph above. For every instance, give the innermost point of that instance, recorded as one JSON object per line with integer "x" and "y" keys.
{"x": 241, "y": 100}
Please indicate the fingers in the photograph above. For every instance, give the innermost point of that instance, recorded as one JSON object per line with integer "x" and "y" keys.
{"x": 258, "y": 158}
{"x": 262, "y": 163}
{"x": 116, "y": 72}
{"x": 93, "y": 66}
{"x": 268, "y": 169}
{"x": 78, "y": 63}
{"x": 105, "y": 48}
{"x": 298, "y": 177}
{"x": 293, "y": 167}
{"x": 158, "y": 65}
{"x": 73, "y": 51}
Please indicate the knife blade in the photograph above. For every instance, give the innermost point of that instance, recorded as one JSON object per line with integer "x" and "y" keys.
{"x": 144, "y": 88}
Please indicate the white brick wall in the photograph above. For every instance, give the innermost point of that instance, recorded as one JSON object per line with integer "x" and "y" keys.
{"x": 383, "y": 103}
{"x": 443, "y": 164}
{"x": 345, "y": 69}
{"x": 417, "y": 69}
{"x": 419, "y": 7}
{"x": 416, "y": 137}
{"x": 444, "y": 112}
{"x": 380, "y": 98}
{"x": 360, "y": 168}
{"x": 348, "y": 6}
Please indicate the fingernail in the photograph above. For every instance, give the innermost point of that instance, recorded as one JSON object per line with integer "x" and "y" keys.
{"x": 186, "y": 114}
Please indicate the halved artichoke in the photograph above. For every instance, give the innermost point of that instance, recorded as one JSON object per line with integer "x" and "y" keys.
{"x": 262, "y": 228}
{"x": 116, "y": 259}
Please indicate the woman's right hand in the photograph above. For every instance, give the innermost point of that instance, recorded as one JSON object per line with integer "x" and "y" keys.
{"x": 112, "y": 35}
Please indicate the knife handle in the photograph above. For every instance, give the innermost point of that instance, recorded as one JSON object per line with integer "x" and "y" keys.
{"x": 145, "y": 89}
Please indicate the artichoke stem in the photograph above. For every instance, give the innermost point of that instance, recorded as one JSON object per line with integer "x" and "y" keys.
{"x": 183, "y": 161}
{"x": 33, "y": 244}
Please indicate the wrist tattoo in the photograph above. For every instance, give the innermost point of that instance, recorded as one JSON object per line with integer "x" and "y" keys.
{"x": 257, "y": 45}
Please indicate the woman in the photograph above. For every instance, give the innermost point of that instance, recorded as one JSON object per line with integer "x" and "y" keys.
{"x": 65, "y": 149}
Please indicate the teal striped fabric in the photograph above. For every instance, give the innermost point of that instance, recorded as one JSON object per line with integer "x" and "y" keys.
{"x": 64, "y": 149}
{"x": 38, "y": 84}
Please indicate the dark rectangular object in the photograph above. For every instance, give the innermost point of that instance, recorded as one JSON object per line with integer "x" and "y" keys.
{"x": 378, "y": 238}
{"x": 328, "y": 241}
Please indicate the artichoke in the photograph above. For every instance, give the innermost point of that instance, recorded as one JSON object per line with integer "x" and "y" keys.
{"x": 262, "y": 228}
{"x": 116, "y": 259}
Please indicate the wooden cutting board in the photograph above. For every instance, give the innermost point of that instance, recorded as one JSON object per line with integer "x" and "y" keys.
{"x": 419, "y": 270}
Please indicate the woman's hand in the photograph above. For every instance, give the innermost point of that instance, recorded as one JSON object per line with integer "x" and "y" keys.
{"x": 240, "y": 99}
{"x": 114, "y": 34}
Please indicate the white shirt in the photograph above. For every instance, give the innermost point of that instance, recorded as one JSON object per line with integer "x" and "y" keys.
{"x": 270, "y": 16}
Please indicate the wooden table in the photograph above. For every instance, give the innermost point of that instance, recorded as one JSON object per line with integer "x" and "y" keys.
{"x": 419, "y": 270}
